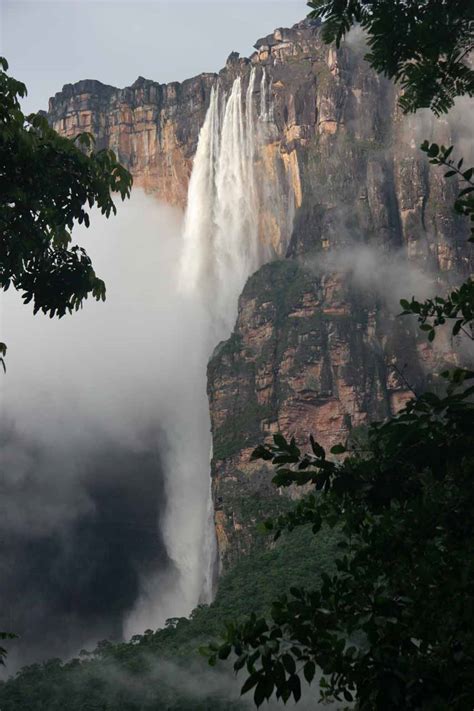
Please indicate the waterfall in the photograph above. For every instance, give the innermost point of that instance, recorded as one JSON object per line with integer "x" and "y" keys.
{"x": 263, "y": 96}
{"x": 235, "y": 239}
{"x": 220, "y": 249}
{"x": 221, "y": 246}
{"x": 220, "y": 238}
{"x": 198, "y": 220}
{"x": 266, "y": 103}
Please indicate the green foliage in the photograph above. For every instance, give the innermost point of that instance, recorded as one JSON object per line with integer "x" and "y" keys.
{"x": 457, "y": 306}
{"x": 439, "y": 155}
{"x": 47, "y": 182}
{"x": 151, "y": 671}
{"x": 422, "y": 44}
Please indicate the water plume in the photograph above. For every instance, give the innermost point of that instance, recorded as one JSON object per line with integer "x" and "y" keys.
{"x": 85, "y": 409}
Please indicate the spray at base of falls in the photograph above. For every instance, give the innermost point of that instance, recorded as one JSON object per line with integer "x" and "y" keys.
{"x": 221, "y": 249}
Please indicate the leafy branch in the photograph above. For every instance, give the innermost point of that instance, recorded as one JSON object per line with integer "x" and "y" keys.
{"x": 3, "y": 651}
{"x": 424, "y": 45}
{"x": 439, "y": 155}
{"x": 373, "y": 628}
{"x": 47, "y": 185}
{"x": 3, "y": 352}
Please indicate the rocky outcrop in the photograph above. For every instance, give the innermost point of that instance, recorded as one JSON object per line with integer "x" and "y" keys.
{"x": 153, "y": 128}
{"x": 314, "y": 348}
{"x": 310, "y": 353}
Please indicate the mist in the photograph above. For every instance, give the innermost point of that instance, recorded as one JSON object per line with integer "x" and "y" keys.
{"x": 104, "y": 427}
{"x": 105, "y": 413}
{"x": 170, "y": 683}
{"x": 373, "y": 270}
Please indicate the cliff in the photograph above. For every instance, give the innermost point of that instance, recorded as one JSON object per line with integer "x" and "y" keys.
{"x": 317, "y": 346}
{"x": 153, "y": 128}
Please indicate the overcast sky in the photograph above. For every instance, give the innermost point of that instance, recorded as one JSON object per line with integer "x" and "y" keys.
{"x": 49, "y": 43}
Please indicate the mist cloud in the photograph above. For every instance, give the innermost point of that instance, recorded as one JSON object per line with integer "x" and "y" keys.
{"x": 91, "y": 408}
{"x": 388, "y": 275}
{"x": 168, "y": 683}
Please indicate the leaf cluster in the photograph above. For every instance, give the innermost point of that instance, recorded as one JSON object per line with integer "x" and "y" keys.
{"x": 422, "y": 44}
{"x": 464, "y": 203}
{"x": 3, "y": 651}
{"x": 47, "y": 184}
{"x": 457, "y": 306}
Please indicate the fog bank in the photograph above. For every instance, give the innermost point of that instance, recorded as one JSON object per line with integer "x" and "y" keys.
{"x": 95, "y": 407}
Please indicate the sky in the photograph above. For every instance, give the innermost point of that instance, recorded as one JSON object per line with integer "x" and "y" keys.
{"x": 49, "y": 43}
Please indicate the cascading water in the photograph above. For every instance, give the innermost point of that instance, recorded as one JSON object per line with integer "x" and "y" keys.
{"x": 220, "y": 240}
{"x": 263, "y": 96}
{"x": 221, "y": 248}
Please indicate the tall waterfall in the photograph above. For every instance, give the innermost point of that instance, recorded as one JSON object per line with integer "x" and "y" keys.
{"x": 220, "y": 238}
{"x": 220, "y": 249}
{"x": 221, "y": 246}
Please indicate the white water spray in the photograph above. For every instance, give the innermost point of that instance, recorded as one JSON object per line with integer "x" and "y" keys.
{"x": 263, "y": 96}
{"x": 266, "y": 103}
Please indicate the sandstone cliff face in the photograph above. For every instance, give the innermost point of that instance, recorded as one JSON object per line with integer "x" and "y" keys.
{"x": 314, "y": 349}
{"x": 153, "y": 128}
{"x": 338, "y": 153}
{"x": 310, "y": 353}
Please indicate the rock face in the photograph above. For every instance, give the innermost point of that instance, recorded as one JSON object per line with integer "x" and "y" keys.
{"x": 317, "y": 346}
{"x": 153, "y": 128}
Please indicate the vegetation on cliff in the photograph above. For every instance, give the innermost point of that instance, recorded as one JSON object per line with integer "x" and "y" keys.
{"x": 162, "y": 669}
